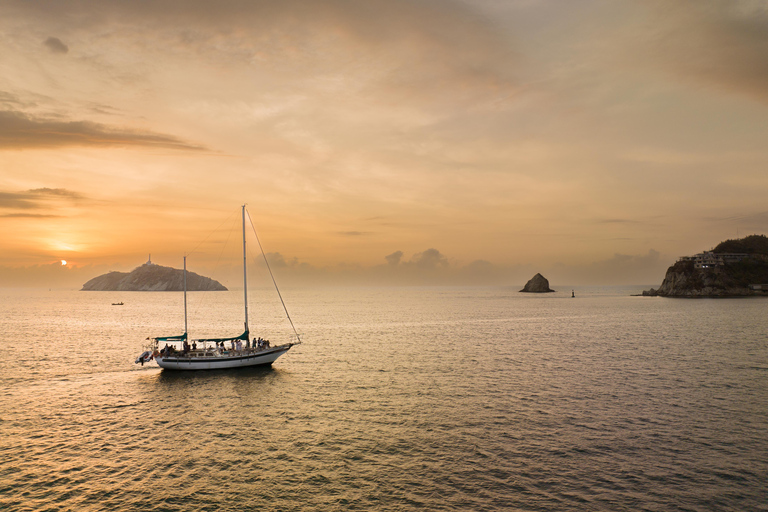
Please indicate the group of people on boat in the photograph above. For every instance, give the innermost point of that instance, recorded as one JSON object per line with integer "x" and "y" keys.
{"x": 258, "y": 344}
{"x": 236, "y": 346}
{"x": 170, "y": 349}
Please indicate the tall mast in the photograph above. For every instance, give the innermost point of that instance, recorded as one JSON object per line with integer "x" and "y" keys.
{"x": 245, "y": 279}
{"x": 185, "y": 297}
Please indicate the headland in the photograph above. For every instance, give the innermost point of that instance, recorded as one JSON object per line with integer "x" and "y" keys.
{"x": 735, "y": 268}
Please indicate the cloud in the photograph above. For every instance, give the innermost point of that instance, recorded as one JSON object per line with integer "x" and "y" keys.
{"x": 21, "y": 131}
{"x": 394, "y": 259}
{"x": 58, "y": 192}
{"x": 24, "y": 100}
{"x": 753, "y": 221}
{"x": 415, "y": 49}
{"x": 35, "y": 199}
{"x": 9, "y": 99}
{"x": 55, "y": 45}
{"x": 27, "y": 216}
{"x": 428, "y": 260}
{"x": 616, "y": 221}
{"x": 723, "y": 43}
{"x": 277, "y": 260}
{"x": 429, "y": 267}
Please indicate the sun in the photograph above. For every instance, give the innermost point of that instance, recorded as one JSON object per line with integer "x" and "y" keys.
{"x": 63, "y": 262}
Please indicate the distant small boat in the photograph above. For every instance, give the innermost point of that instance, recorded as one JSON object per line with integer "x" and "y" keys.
{"x": 117, "y": 303}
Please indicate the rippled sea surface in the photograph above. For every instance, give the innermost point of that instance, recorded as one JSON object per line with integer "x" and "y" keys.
{"x": 398, "y": 399}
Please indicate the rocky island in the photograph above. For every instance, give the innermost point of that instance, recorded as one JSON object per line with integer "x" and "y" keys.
{"x": 537, "y": 284}
{"x": 151, "y": 277}
{"x": 735, "y": 268}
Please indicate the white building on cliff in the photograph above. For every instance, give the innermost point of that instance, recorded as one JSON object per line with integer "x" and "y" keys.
{"x": 710, "y": 259}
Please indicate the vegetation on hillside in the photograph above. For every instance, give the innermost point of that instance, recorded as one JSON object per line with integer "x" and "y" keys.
{"x": 749, "y": 271}
{"x": 753, "y": 244}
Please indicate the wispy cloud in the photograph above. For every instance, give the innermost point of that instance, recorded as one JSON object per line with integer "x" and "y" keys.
{"x": 723, "y": 43}
{"x": 406, "y": 47}
{"x": 27, "y": 216}
{"x": 747, "y": 223}
{"x": 21, "y": 131}
{"x": 616, "y": 221}
{"x": 57, "y": 192}
{"x": 35, "y": 199}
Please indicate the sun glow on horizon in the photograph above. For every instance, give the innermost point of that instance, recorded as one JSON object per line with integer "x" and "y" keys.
{"x": 63, "y": 262}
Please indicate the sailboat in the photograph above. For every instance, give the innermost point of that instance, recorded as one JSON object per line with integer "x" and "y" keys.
{"x": 179, "y": 354}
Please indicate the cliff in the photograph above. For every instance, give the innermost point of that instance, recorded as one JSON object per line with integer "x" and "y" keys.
{"x": 152, "y": 278}
{"x": 735, "y": 277}
{"x": 537, "y": 284}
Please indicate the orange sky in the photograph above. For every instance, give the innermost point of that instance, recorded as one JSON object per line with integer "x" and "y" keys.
{"x": 470, "y": 142}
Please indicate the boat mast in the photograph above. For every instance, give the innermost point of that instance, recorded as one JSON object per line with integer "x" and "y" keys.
{"x": 185, "y": 297}
{"x": 245, "y": 279}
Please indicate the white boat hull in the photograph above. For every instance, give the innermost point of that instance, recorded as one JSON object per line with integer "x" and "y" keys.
{"x": 221, "y": 362}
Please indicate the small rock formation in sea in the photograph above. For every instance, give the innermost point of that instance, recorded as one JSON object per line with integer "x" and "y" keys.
{"x": 537, "y": 284}
{"x": 735, "y": 268}
{"x": 151, "y": 277}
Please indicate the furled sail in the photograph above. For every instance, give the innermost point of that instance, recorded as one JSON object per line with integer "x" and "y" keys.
{"x": 181, "y": 337}
{"x": 243, "y": 337}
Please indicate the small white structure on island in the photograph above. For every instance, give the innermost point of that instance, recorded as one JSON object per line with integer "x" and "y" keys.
{"x": 149, "y": 261}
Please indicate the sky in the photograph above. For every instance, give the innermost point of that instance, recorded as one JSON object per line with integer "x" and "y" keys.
{"x": 381, "y": 142}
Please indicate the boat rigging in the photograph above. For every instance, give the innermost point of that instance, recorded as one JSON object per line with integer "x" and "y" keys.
{"x": 213, "y": 354}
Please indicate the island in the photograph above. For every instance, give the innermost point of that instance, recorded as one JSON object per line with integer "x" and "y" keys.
{"x": 537, "y": 284}
{"x": 151, "y": 277}
{"x": 735, "y": 268}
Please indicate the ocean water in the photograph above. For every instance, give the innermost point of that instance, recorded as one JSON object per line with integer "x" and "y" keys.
{"x": 398, "y": 399}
